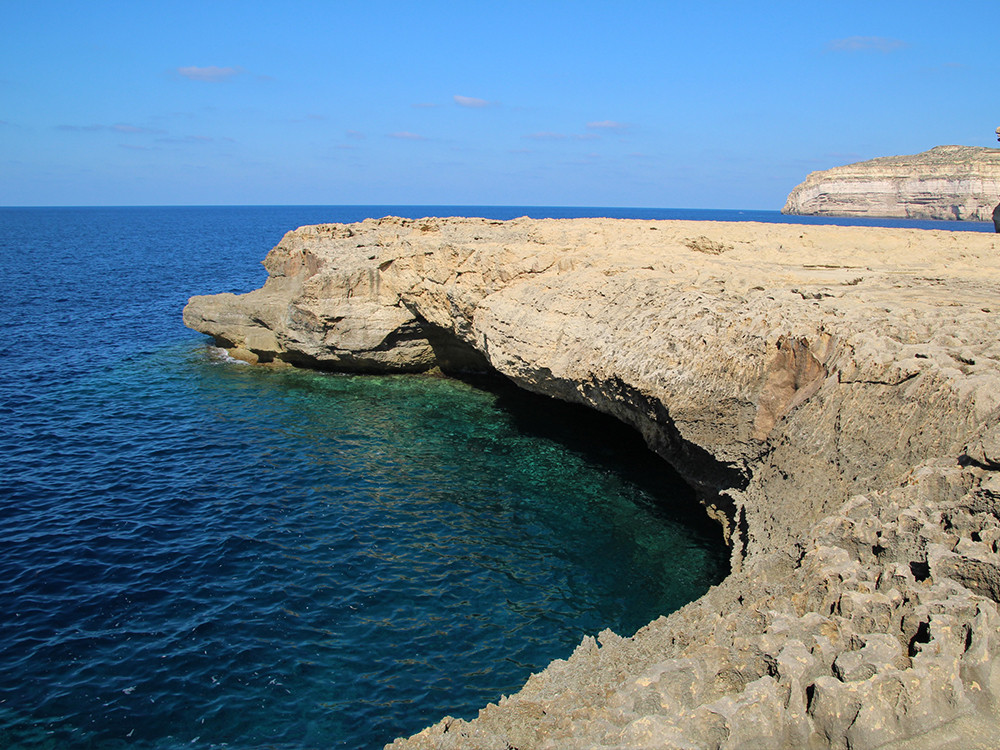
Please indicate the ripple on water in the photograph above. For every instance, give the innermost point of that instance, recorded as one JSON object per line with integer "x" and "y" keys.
{"x": 245, "y": 557}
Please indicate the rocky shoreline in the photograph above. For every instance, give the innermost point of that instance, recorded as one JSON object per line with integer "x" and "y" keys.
{"x": 833, "y": 392}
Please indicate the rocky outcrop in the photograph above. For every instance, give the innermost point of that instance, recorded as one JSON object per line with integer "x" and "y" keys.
{"x": 834, "y": 392}
{"x": 947, "y": 182}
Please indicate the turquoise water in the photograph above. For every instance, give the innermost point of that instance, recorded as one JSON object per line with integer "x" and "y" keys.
{"x": 203, "y": 554}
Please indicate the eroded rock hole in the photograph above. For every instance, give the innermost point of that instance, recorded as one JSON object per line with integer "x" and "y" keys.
{"x": 923, "y": 635}
{"x": 920, "y": 569}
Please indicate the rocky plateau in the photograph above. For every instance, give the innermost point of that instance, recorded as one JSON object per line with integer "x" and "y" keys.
{"x": 832, "y": 392}
{"x": 947, "y": 182}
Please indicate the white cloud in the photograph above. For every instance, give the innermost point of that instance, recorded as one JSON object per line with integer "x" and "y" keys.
{"x": 210, "y": 73}
{"x": 545, "y": 135}
{"x": 306, "y": 119}
{"x": 865, "y": 44}
{"x": 117, "y": 128}
{"x": 469, "y": 101}
{"x": 191, "y": 139}
{"x": 123, "y": 128}
{"x": 607, "y": 125}
{"x": 407, "y": 136}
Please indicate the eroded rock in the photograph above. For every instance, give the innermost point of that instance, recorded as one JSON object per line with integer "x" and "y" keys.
{"x": 833, "y": 393}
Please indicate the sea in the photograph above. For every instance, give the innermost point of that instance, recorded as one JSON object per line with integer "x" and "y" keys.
{"x": 198, "y": 553}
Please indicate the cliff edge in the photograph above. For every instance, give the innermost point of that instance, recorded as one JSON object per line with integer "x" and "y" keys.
{"x": 833, "y": 392}
{"x": 947, "y": 182}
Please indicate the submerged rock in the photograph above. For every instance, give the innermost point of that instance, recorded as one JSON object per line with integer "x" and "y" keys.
{"x": 947, "y": 182}
{"x": 834, "y": 393}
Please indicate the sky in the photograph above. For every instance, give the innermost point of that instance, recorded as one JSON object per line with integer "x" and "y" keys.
{"x": 615, "y": 103}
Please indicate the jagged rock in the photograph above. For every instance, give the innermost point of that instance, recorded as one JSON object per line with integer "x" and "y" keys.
{"x": 833, "y": 392}
{"x": 947, "y": 182}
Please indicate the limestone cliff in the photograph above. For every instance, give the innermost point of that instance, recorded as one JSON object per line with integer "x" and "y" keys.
{"x": 833, "y": 391}
{"x": 947, "y": 182}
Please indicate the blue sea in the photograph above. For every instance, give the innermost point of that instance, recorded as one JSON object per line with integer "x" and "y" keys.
{"x": 198, "y": 553}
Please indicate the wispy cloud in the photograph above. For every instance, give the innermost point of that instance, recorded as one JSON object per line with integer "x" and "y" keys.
{"x": 546, "y": 135}
{"x": 425, "y": 105}
{"x": 355, "y": 134}
{"x": 81, "y": 128}
{"x": 470, "y": 101}
{"x": 122, "y": 128}
{"x": 406, "y": 135}
{"x": 193, "y": 139}
{"x": 209, "y": 74}
{"x": 305, "y": 119}
{"x": 117, "y": 128}
{"x": 607, "y": 125}
{"x": 865, "y": 44}
{"x": 948, "y": 67}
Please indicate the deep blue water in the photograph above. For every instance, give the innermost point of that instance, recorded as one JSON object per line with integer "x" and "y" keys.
{"x": 199, "y": 553}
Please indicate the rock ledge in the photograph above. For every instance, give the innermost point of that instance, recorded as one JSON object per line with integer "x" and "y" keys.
{"x": 834, "y": 392}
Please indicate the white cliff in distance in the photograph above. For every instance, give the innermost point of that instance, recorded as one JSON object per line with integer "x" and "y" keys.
{"x": 947, "y": 182}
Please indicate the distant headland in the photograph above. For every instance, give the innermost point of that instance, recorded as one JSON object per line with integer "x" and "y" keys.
{"x": 947, "y": 182}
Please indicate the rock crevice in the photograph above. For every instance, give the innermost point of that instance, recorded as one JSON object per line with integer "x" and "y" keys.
{"x": 834, "y": 393}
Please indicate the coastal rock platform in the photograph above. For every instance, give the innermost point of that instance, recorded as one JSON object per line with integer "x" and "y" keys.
{"x": 833, "y": 393}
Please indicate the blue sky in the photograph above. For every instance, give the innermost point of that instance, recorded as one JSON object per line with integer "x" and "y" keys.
{"x": 662, "y": 104}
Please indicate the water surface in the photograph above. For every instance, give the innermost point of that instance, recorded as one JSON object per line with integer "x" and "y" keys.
{"x": 200, "y": 553}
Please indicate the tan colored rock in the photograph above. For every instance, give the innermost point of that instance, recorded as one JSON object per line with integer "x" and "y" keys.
{"x": 947, "y": 182}
{"x": 832, "y": 391}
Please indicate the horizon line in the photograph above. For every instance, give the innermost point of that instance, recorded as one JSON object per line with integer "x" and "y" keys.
{"x": 379, "y": 205}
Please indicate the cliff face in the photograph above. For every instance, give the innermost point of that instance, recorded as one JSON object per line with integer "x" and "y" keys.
{"x": 947, "y": 182}
{"x": 833, "y": 391}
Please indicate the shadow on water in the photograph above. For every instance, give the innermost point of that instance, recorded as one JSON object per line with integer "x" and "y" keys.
{"x": 605, "y": 443}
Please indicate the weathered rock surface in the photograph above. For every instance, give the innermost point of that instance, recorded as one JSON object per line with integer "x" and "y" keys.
{"x": 947, "y": 182}
{"x": 833, "y": 391}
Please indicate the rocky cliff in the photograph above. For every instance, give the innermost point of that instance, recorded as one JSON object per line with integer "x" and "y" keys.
{"x": 834, "y": 392}
{"x": 947, "y": 182}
